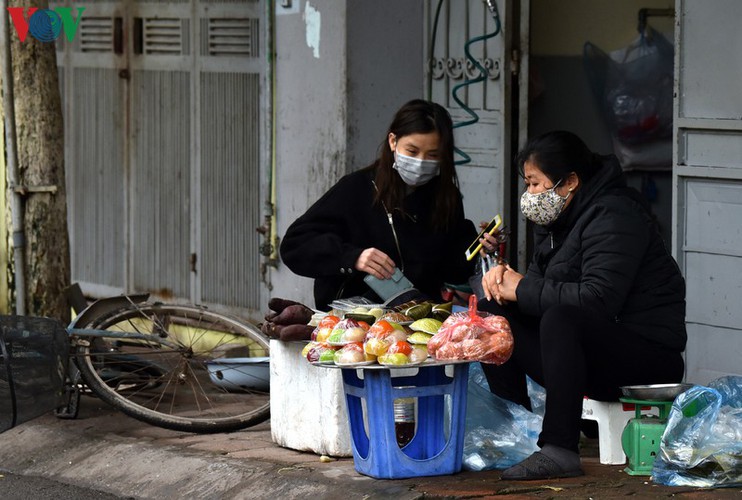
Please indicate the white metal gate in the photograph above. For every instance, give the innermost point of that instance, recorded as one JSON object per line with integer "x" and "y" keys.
{"x": 707, "y": 179}
{"x": 486, "y": 179}
{"x": 163, "y": 121}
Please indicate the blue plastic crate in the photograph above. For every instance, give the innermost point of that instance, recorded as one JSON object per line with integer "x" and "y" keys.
{"x": 437, "y": 446}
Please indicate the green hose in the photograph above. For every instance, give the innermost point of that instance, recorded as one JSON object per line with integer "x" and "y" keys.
{"x": 474, "y": 118}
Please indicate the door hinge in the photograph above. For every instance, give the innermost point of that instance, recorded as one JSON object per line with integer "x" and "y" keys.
{"x": 194, "y": 259}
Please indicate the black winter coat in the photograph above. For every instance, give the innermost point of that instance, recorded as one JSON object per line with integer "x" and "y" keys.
{"x": 326, "y": 241}
{"x": 605, "y": 254}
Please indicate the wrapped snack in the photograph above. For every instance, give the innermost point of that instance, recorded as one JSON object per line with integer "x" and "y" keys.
{"x": 397, "y": 354}
{"x": 322, "y": 332}
{"x": 473, "y": 335}
{"x": 347, "y": 330}
{"x": 320, "y": 352}
{"x": 351, "y": 354}
{"x": 383, "y": 329}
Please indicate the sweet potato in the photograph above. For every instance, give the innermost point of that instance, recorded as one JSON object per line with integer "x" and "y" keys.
{"x": 269, "y": 330}
{"x": 278, "y": 304}
{"x": 296, "y": 314}
{"x": 295, "y": 332}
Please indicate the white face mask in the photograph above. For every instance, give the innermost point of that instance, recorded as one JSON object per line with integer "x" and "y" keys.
{"x": 415, "y": 171}
{"x": 543, "y": 208}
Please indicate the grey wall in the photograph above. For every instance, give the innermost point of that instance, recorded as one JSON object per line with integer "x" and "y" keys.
{"x": 385, "y": 47}
{"x": 311, "y": 117}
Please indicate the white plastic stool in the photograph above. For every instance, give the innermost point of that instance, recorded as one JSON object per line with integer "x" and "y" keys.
{"x": 612, "y": 417}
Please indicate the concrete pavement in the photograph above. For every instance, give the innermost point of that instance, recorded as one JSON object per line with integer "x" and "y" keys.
{"x": 108, "y": 451}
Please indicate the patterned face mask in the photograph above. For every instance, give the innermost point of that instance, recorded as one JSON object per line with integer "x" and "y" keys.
{"x": 543, "y": 208}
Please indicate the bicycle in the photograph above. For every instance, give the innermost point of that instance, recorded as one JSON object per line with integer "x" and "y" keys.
{"x": 181, "y": 367}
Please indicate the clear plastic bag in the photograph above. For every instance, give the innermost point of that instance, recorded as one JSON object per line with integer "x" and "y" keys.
{"x": 473, "y": 335}
{"x": 702, "y": 443}
{"x": 499, "y": 433}
{"x": 634, "y": 90}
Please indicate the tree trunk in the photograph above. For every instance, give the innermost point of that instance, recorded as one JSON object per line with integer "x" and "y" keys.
{"x": 40, "y": 134}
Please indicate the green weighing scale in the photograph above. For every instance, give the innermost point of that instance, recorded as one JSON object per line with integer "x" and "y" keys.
{"x": 642, "y": 434}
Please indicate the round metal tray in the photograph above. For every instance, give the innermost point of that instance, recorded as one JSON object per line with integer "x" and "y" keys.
{"x": 655, "y": 392}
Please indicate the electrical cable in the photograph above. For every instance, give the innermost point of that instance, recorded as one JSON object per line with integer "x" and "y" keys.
{"x": 474, "y": 117}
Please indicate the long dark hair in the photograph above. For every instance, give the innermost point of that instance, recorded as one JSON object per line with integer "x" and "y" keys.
{"x": 420, "y": 117}
{"x": 557, "y": 154}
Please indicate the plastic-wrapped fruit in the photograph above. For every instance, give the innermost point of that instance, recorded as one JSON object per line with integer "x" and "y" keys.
{"x": 419, "y": 338}
{"x": 396, "y": 335}
{"x": 336, "y": 336}
{"x": 306, "y": 349}
{"x": 315, "y": 351}
{"x": 394, "y": 359}
{"x": 400, "y": 347}
{"x": 321, "y": 334}
{"x": 348, "y": 356}
{"x": 324, "y": 328}
{"x": 376, "y": 346}
{"x": 427, "y": 325}
{"x": 380, "y": 329}
{"x": 354, "y": 334}
{"x": 419, "y": 354}
{"x": 328, "y": 321}
{"x": 397, "y": 326}
{"x": 326, "y": 356}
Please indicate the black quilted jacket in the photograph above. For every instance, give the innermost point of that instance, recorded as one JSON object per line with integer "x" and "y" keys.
{"x": 326, "y": 241}
{"x": 604, "y": 253}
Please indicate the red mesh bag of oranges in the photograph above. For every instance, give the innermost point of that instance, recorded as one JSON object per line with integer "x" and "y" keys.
{"x": 474, "y": 336}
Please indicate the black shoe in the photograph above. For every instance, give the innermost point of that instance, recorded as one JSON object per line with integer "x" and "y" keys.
{"x": 538, "y": 466}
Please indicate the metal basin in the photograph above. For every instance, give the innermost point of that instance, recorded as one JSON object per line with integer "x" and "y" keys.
{"x": 655, "y": 392}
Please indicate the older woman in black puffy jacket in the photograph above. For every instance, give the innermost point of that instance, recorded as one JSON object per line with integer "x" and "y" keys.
{"x": 601, "y": 305}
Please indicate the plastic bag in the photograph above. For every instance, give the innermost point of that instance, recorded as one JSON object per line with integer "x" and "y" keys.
{"x": 472, "y": 335}
{"x": 702, "y": 443}
{"x": 634, "y": 90}
{"x": 498, "y": 432}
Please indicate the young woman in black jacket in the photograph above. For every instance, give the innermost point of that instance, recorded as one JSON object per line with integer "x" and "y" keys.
{"x": 404, "y": 211}
{"x": 601, "y": 305}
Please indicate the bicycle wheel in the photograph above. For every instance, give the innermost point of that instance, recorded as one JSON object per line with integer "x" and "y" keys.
{"x": 179, "y": 367}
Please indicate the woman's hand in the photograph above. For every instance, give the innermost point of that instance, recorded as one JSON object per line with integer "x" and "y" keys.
{"x": 500, "y": 284}
{"x": 488, "y": 241}
{"x": 376, "y": 263}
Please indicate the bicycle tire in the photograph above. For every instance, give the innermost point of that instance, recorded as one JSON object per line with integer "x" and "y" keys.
{"x": 171, "y": 375}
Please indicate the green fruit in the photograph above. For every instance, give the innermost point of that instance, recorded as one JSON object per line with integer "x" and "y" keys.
{"x": 427, "y": 325}
{"x": 419, "y": 338}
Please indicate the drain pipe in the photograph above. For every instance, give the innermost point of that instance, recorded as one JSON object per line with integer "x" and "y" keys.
{"x": 269, "y": 247}
{"x": 16, "y": 201}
